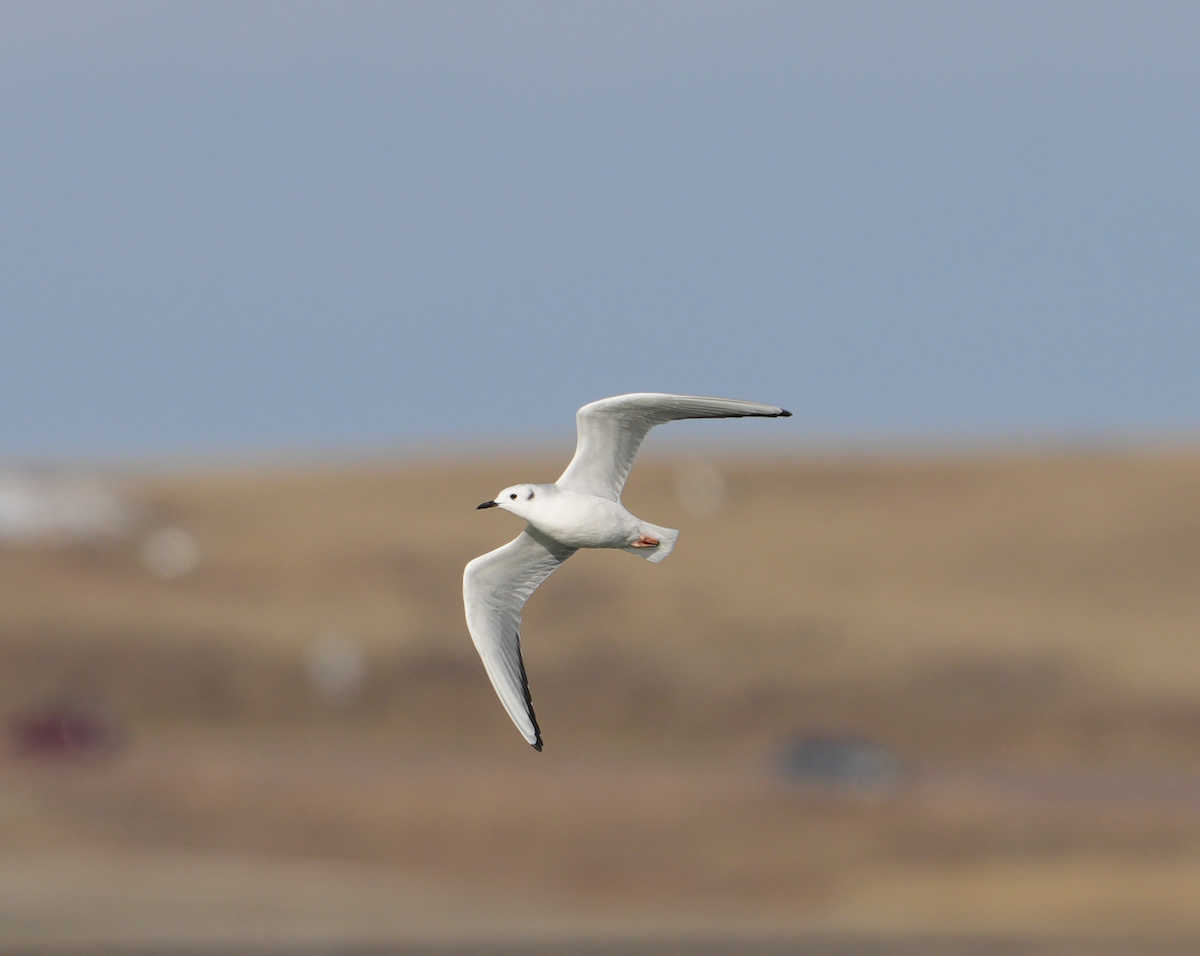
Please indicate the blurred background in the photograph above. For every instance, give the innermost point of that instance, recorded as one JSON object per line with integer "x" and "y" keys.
{"x": 288, "y": 288}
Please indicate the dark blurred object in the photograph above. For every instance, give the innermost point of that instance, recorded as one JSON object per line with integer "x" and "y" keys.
{"x": 67, "y": 732}
{"x": 847, "y": 765}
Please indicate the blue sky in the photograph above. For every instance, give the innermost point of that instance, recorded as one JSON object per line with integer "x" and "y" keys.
{"x": 240, "y": 227}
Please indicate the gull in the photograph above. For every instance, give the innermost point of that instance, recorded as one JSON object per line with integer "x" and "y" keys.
{"x": 581, "y": 510}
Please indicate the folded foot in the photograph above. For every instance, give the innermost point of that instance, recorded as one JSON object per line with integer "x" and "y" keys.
{"x": 645, "y": 542}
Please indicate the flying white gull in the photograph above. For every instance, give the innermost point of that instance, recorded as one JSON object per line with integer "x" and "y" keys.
{"x": 581, "y": 510}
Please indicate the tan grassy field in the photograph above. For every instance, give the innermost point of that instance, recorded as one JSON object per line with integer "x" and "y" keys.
{"x": 1021, "y": 632}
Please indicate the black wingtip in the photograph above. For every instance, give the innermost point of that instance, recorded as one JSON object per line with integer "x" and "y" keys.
{"x": 784, "y": 413}
{"x": 537, "y": 731}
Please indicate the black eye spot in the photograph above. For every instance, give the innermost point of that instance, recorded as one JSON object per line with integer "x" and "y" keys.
{"x": 530, "y": 498}
{"x": 513, "y": 497}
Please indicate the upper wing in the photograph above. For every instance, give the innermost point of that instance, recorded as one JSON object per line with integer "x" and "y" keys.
{"x": 612, "y": 429}
{"x": 495, "y": 588}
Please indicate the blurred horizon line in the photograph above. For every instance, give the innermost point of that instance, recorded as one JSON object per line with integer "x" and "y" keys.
{"x": 860, "y": 445}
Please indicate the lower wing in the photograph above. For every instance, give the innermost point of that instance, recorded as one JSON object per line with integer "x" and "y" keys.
{"x": 496, "y": 586}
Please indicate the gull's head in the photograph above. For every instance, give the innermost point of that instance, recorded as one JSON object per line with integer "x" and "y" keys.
{"x": 518, "y": 499}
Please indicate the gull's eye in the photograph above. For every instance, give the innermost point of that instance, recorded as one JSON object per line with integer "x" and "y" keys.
{"x": 513, "y": 497}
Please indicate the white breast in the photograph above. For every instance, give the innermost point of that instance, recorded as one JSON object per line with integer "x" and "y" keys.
{"x": 584, "y": 521}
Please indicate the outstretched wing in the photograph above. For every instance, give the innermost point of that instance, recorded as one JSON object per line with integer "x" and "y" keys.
{"x": 495, "y": 588}
{"x": 611, "y": 431}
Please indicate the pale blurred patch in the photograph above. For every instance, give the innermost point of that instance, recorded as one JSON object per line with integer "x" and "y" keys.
{"x": 701, "y": 490}
{"x": 49, "y": 506}
{"x": 337, "y": 668}
{"x": 170, "y": 553}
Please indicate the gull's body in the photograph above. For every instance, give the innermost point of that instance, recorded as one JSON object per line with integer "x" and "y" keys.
{"x": 574, "y": 518}
{"x": 581, "y": 510}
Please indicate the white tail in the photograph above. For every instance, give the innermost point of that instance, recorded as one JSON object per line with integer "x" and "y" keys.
{"x": 666, "y": 538}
